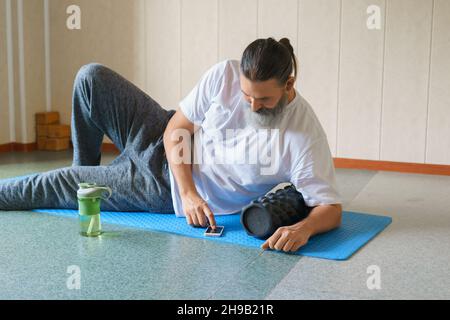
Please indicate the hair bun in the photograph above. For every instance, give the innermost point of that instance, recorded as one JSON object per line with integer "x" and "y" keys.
{"x": 287, "y": 44}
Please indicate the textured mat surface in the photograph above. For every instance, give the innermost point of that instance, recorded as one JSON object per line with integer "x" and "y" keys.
{"x": 356, "y": 230}
{"x": 340, "y": 244}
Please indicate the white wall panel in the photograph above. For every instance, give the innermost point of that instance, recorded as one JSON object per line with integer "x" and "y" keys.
{"x": 406, "y": 73}
{"x": 278, "y": 19}
{"x": 71, "y": 49}
{"x": 127, "y": 39}
{"x": 319, "y": 24}
{"x": 163, "y": 51}
{"x": 4, "y": 98}
{"x": 438, "y": 137}
{"x": 34, "y": 66}
{"x": 199, "y": 40}
{"x": 237, "y": 28}
{"x": 379, "y": 94}
{"x": 360, "y": 85}
{"x": 111, "y": 33}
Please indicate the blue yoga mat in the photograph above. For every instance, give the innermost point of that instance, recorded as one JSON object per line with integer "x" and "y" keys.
{"x": 339, "y": 244}
{"x": 356, "y": 230}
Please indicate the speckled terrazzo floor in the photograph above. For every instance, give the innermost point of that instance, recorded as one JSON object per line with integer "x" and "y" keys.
{"x": 38, "y": 250}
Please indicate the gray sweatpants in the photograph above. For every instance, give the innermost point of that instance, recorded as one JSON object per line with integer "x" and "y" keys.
{"x": 105, "y": 103}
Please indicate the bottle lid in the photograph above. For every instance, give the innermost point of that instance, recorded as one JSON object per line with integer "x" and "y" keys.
{"x": 91, "y": 190}
{"x": 85, "y": 185}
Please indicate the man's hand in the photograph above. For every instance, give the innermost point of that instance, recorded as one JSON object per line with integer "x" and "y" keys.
{"x": 289, "y": 239}
{"x": 197, "y": 211}
{"x": 321, "y": 219}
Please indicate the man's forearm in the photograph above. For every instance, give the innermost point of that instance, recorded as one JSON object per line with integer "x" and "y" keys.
{"x": 182, "y": 172}
{"x": 183, "y": 176}
{"x": 322, "y": 219}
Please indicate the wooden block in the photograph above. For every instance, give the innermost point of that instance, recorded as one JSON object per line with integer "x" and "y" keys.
{"x": 42, "y": 130}
{"x": 57, "y": 144}
{"x": 58, "y": 131}
{"x": 47, "y": 117}
{"x": 41, "y": 143}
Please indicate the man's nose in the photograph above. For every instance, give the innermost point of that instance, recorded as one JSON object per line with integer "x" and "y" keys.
{"x": 255, "y": 105}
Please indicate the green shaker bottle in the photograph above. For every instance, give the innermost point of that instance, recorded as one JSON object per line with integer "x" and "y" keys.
{"x": 89, "y": 198}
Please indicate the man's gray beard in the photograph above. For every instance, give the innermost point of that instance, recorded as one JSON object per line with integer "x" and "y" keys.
{"x": 266, "y": 117}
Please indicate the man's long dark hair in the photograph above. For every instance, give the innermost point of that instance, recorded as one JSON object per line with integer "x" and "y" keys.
{"x": 265, "y": 59}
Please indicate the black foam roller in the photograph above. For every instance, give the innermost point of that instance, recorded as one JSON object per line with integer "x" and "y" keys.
{"x": 263, "y": 216}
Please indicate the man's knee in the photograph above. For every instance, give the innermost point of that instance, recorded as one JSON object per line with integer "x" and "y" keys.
{"x": 91, "y": 71}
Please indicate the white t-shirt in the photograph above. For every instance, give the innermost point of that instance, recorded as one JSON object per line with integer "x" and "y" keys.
{"x": 236, "y": 163}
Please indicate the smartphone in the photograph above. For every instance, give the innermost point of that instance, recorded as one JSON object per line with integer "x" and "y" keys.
{"x": 214, "y": 233}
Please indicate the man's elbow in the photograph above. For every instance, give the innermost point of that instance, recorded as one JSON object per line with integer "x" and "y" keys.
{"x": 339, "y": 219}
{"x": 338, "y": 214}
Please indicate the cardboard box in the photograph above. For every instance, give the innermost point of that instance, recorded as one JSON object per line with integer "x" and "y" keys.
{"x": 41, "y": 130}
{"x": 57, "y": 144}
{"x": 47, "y": 117}
{"x": 58, "y": 131}
{"x": 41, "y": 143}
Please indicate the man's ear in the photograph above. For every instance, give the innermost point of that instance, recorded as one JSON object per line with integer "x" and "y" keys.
{"x": 290, "y": 83}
